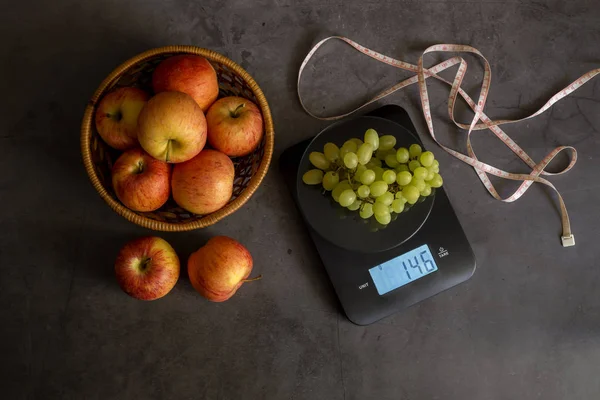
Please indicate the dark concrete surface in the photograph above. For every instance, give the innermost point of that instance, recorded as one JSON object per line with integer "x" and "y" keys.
{"x": 526, "y": 326}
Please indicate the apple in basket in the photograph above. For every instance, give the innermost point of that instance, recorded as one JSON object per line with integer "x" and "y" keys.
{"x": 117, "y": 115}
{"x": 219, "y": 268}
{"x": 235, "y": 126}
{"x": 141, "y": 182}
{"x": 189, "y": 74}
{"x": 203, "y": 184}
{"x": 147, "y": 268}
{"x": 171, "y": 127}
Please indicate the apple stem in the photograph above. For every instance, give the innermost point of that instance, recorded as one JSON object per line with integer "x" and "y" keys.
{"x": 252, "y": 279}
{"x": 234, "y": 114}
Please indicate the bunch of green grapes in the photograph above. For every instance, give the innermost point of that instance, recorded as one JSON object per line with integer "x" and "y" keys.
{"x": 373, "y": 177}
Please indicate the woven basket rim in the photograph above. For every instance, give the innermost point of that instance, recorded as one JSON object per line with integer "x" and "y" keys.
{"x": 207, "y": 220}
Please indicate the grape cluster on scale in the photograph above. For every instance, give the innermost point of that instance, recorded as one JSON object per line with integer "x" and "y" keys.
{"x": 373, "y": 176}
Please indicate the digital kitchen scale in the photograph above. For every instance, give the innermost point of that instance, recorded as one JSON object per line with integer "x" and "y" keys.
{"x": 377, "y": 272}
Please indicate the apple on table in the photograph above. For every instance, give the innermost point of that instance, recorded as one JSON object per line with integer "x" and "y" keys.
{"x": 219, "y": 268}
{"x": 117, "y": 115}
{"x": 147, "y": 268}
{"x": 235, "y": 126}
{"x": 172, "y": 127}
{"x": 141, "y": 182}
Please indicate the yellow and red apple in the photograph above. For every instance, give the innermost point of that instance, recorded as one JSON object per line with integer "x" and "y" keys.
{"x": 141, "y": 182}
{"x": 219, "y": 268}
{"x": 235, "y": 126}
{"x": 147, "y": 268}
{"x": 203, "y": 184}
{"x": 172, "y": 127}
{"x": 117, "y": 115}
{"x": 189, "y": 74}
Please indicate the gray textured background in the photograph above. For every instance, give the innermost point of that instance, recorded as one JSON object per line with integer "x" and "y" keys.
{"x": 526, "y": 326}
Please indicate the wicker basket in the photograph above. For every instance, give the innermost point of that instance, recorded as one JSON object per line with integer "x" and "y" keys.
{"x": 249, "y": 170}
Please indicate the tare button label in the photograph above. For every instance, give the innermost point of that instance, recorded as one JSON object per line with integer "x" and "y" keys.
{"x": 442, "y": 252}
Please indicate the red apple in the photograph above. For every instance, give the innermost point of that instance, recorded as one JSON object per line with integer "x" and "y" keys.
{"x": 235, "y": 126}
{"x": 117, "y": 115}
{"x": 219, "y": 268}
{"x": 147, "y": 268}
{"x": 189, "y": 74}
{"x": 203, "y": 184}
{"x": 171, "y": 127}
{"x": 141, "y": 182}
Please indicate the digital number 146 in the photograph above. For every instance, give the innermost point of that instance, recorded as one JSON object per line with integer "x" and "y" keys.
{"x": 426, "y": 261}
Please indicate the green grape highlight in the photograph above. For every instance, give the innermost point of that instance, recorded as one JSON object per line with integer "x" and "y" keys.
{"x": 426, "y": 159}
{"x": 347, "y": 197}
{"x": 331, "y": 152}
{"x": 387, "y": 142}
{"x": 378, "y": 188}
{"x": 350, "y": 160}
{"x": 387, "y": 198}
{"x": 372, "y": 137}
{"x": 313, "y": 177}
{"x": 403, "y": 178}
{"x": 414, "y": 150}
{"x": 388, "y": 177}
{"x": 368, "y": 177}
{"x": 365, "y": 153}
{"x": 363, "y": 191}
{"x": 366, "y": 211}
{"x": 330, "y": 180}
{"x": 318, "y": 160}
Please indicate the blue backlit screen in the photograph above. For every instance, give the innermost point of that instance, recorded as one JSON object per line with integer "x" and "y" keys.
{"x": 403, "y": 269}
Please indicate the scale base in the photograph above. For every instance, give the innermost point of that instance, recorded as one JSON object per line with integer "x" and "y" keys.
{"x": 348, "y": 270}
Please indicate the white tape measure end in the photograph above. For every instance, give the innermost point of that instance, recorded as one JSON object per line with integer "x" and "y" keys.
{"x": 568, "y": 241}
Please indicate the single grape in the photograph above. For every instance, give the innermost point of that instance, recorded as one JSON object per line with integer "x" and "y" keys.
{"x": 402, "y": 155}
{"x": 427, "y": 191}
{"x": 383, "y": 219}
{"x": 378, "y": 188}
{"x": 313, "y": 177}
{"x": 399, "y": 196}
{"x": 391, "y": 161}
{"x": 347, "y": 197}
{"x": 355, "y": 205}
{"x": 359, "y": 170}
{"x": 380, "y": 208}
{"x": 378, "y": 173}
{"x": 420, "y": 173}
{"x": 414, "y": 164}
{"x": 318, "y": 160}
{"x": 372, "y": 137}
{"x": 403, "y": 178}
{"x": 387, "y": 142}
{"x": 398, "y": 206}
{"x": 357, "y": 141}
{"x": 351, "y": 160}
{"x": 363, "y": 191}
{"x": 430, "y": 174}
{"x": 411, "y": 194}
{"x": 368, "y": 177}
{"x": 389, "y": 177}
{"x": 436, "y": 163}
{"x": 330, "y": 180}
{"x": 414, "y": 150}
{"x": 365, "y": 153}
{"x": 337, "y": 191}
{"x": 366, "y": 211}
{"x": 385, "y": 198}
{"x": 435, "y": 168}
{"x": 437, "y": 181}
{"x": 331, "y": 152}
{"x": 402, "y": 167}
{"x": 427, "y": 158}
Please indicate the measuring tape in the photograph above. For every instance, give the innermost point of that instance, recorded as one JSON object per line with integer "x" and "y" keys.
{"x": 481, "y": 168}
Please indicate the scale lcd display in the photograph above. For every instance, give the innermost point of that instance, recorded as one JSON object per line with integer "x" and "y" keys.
{"x": 403, "y": 269}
